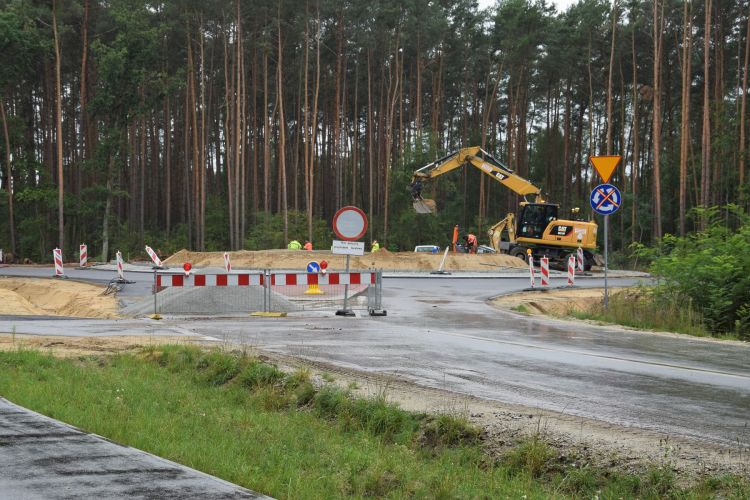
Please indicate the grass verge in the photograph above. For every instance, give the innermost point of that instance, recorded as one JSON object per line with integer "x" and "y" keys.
{"x": 642, "y": 308}
{"x": 245, "y": 421}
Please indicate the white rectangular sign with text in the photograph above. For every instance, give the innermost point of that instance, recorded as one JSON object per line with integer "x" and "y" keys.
{"x": 348, "y": 247}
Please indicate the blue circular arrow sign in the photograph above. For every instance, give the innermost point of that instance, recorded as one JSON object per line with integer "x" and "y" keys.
{"x": 605, "y": 199}
{"x": 313, "y": 267}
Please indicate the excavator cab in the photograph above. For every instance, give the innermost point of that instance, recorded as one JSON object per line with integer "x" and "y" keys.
{"x": 534, "y": 218}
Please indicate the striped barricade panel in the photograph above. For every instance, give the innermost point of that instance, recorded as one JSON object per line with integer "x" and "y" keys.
{"x": 175, "y": 280}
{"x": 294, "y": 279}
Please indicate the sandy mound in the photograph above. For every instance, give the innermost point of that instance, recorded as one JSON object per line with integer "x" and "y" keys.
{"x": 39, "y": 296}
{"x": 387, "y": 261}
{"x": 553, "y": 302}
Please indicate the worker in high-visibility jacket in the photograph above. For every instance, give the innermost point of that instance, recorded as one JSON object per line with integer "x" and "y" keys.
{"x": 375, "y": 246}
{"x": 471, "y": 243}
{"x": 308, "y": 246}
{"x": 294, "y": 245}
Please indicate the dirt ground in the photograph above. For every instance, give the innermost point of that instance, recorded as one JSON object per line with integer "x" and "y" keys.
{"x": 382, "y": 259}
{"x": 54, "y": 297}
{"x": 577, "y": 440}
{"x": 552, "y": 302}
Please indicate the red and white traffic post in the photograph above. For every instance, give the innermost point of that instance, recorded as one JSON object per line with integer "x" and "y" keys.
{"x": 544, "y": 264}
{"x": 532, "y": 279}
{"x": 227, "y": 264}
{"x": 57, "y": 257}
{"x": 83, "y": 255}
{"x": 120, "y": 272}
{"x": 155, "y": 258}
{"x": 571, "y": 270}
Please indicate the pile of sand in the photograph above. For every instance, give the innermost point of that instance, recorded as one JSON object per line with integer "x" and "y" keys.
{"x": 54, "y": 297}
{"x": 387, "y": 261}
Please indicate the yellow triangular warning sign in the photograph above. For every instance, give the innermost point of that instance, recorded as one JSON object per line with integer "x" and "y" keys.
{"x": 605, "y": 165}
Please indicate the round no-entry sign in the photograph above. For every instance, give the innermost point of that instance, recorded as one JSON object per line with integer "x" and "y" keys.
{"x": 350, "y": 223}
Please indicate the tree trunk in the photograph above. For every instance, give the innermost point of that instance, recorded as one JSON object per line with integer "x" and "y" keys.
{"x": 8, "y": 180}
{"x": 282, "y": 127}
{"x": 656, "y": 128}
{"x": 58, "y": 120}
{"x": 313, "y": 139}
{"x": 685, "y": 111}
{"x": 743, "y": 105}
{"x": 635, "y": 157}
{"x": 706, "y": 135}
{"x": 609, "y": 79}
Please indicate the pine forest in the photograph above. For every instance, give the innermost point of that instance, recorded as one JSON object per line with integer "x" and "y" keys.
{"x": 223, "y": 125}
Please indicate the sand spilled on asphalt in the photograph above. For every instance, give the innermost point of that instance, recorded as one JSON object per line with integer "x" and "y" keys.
{"x": 383, "y": 259}
{"x": 52, "y": 297}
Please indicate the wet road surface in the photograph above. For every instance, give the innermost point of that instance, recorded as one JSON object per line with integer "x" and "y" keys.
{"x": 41, "y": 458}
{"x": 443, "y": 334}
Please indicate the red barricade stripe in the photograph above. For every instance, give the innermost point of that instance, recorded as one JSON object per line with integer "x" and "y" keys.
{"x": 354, "y": 278}
{"x": 291, "y": 279}
{"x": 199, "y": 280}
{"x": 312, "y": 279}
{"x": 177, "y": 280}
{"x": 243, "y": 280}
{"x": 333, "y": 279}
{"x": 221, "y": 280}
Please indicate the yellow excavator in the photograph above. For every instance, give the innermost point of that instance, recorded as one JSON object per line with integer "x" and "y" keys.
{"x": 537, "y": 227}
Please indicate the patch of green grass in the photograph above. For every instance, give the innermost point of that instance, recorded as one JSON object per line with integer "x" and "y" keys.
{"x": 520, "y": 308}
{"x": 644, "y": 310}
{"x": 245, "y": 421}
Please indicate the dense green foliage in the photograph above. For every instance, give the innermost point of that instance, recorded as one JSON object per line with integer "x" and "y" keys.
{"x": 710, "y": 271}
{"x": 243, "y": 420}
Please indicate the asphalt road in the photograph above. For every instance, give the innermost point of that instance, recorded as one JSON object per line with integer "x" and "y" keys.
{"x": 42, "y": 458}
{"x": 441, "y": 333}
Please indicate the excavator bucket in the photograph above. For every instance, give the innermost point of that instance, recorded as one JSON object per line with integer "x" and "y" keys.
{"x": 425, "y": 206}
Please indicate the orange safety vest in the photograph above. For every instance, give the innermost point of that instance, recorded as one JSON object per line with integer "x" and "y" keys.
{"x": 471, "y": 240}
{"x": 308, "y": 246}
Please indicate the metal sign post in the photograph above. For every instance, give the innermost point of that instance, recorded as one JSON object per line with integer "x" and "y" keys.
{"x": 606, "y": 199}
{"x": 349, "y": 224}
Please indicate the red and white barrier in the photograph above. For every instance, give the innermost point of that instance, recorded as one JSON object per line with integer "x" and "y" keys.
{"x": 545, "y": 271}
{"x": 84, "y": 255}
{"x": 57, "y": 256}
{"x": 571, "y": 270}
{"x": 168, "y": 280}
{"x": 291, "y": 279}
{"x": 531, "y": 272}
{"x": 155, "y": 258}
{"x": 277, "y": 279}
{"x": 579, "y": 256}
{"x": 227, "y": 264}
{"x": 120, "y": 272}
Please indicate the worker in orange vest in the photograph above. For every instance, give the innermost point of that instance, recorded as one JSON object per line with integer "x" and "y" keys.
{"x": 471, "y": 243}
{"x": 308, "y": 246}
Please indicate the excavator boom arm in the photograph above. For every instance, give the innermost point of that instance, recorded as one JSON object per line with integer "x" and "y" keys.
{"x": 485, "y": 163}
